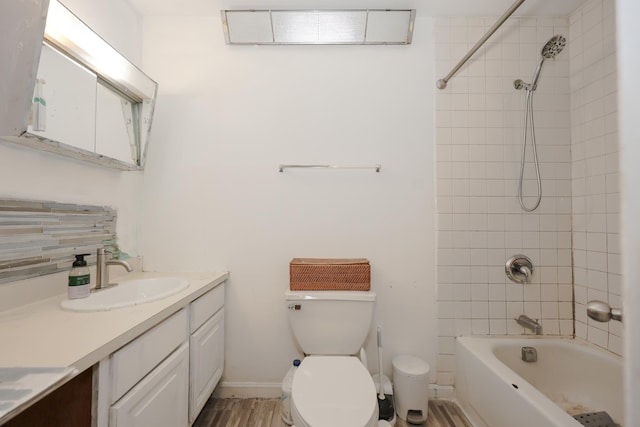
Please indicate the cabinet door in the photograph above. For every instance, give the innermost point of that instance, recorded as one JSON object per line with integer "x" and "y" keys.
{"x": 207, "y": 362}
{"x": 160, "y": 399}
{"x": 135, "y": 360}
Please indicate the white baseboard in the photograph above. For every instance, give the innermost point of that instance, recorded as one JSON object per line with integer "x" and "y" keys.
{"x": 227, "y": 389}
{"x": 441, "y": 391}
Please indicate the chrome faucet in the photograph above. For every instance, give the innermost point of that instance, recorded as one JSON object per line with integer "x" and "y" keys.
{"x": 529, "y": 323}
{"x": 102, "y": 268}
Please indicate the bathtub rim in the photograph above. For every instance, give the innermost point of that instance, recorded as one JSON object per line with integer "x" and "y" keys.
{"x": 483, "y": 348}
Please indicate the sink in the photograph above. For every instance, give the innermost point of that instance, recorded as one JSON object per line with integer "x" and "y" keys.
{"x": 127, "y": 293}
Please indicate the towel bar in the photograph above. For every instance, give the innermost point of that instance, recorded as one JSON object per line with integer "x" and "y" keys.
{"x": 281, "y": 168}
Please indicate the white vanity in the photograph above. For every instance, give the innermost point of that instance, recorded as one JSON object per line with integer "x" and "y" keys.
{"x": 166, "y": 375}
{"x": 153, "y": 364}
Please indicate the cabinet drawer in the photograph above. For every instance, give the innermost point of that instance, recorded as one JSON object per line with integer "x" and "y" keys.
{"x": 206, "y": 347}
{"x": 159, "y": 400}
{"x": 205, "y": 306}
{"x": 132, "y": 362}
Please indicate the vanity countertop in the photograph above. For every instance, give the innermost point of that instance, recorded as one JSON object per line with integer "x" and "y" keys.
{"x": 42, "y": 334}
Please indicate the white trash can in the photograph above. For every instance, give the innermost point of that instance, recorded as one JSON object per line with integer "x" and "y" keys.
{"x": 411, "y": 388}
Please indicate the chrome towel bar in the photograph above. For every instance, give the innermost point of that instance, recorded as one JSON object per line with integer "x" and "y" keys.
{"x": 281, "y": 168}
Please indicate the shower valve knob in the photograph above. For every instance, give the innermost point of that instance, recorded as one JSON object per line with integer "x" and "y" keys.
{"x": 519, "y": 269}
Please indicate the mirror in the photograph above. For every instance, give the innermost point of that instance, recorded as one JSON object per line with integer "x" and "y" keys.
{"x": 115, "y": 135}
{"x": 89, "y": 102}
{"x": 64, "y": 101}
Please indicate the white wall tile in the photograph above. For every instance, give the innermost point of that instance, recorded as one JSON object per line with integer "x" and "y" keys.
{"x": 574, "y": 236}
{"x": 498, "y": 326}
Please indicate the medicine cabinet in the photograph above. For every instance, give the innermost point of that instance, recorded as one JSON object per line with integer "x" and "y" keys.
{"x": 65, "y": 90}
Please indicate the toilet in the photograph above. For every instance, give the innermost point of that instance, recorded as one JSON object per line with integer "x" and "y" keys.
{"x": 331, "y": 387}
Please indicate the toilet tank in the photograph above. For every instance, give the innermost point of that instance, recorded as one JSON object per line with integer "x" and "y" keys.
{"x": 330, "y": 322}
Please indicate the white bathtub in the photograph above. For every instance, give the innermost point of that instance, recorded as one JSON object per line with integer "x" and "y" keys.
{"x": 497, "y": 389}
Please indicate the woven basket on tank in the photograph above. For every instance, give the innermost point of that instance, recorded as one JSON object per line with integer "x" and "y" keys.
{"x": 323, "y": 274}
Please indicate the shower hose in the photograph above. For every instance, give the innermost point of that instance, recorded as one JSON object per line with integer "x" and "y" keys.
{"x": 529, "y": 124}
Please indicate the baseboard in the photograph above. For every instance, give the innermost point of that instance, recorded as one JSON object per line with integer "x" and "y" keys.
{"x": 441, "y": 391}
{"x": 227, "y": 389}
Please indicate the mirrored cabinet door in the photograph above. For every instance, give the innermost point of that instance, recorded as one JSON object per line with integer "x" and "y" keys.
{"x": 115, "y": 135}
{"x": 64, "y": 106}
{"x": 88, "y": 101}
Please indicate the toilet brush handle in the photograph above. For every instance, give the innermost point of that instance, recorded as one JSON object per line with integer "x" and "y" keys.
{"x": 380, "y": 390}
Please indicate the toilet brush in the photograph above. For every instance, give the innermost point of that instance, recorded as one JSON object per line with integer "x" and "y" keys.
{"x": 385, "y": 405}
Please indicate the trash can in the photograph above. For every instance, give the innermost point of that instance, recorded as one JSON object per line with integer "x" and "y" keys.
{"x": 411, "y": 388}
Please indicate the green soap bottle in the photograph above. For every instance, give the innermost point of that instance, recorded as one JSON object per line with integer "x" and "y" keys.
{"x": 79, "y": 278}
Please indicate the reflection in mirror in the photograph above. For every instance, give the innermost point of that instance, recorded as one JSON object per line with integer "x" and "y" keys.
{"x": 115, "y": 135}
{"x": 66, "y": 97}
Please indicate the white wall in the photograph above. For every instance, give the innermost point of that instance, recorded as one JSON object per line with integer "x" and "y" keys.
{"x": 116, "y": 21}
{"x": 30, "y": 174}
{"x": 227, "y": 116}
{"x": 479, "y": 122}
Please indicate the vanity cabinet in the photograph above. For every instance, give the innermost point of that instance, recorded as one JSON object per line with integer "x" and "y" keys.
{"x": 165, "y": 376}
{"x": 150, "y": 377}
{"x": 159, "y": 399}
{"x": 135, "y": 360}
{"x": 206, "y": 345}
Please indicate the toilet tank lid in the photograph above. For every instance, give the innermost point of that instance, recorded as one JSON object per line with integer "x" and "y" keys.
{"x": 330, "y": 295}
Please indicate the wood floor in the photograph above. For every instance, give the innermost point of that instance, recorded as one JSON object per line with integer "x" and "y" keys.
{"x": 266, "y": 413}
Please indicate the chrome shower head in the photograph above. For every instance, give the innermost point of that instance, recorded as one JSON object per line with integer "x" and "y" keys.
{"x": 549, "y": 51}
{"x": 553, "y": 47}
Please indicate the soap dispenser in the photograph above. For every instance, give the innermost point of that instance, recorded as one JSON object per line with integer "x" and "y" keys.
{"x": 79, "y": 278}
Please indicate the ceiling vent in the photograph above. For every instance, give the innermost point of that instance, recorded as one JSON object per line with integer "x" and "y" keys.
{"x": 351, "y": 27}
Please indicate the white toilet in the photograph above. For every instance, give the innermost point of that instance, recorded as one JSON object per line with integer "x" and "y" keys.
{"x": 331, "y": 387}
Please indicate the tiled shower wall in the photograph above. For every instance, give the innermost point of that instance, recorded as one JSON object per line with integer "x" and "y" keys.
{"x": 595, "y": 189}
{"x": 479, "y": 122}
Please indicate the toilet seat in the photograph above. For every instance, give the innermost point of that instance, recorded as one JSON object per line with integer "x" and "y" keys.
{"x": 333, "y": 391}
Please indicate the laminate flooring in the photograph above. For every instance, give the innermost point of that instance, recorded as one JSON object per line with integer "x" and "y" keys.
{"x": 266, "y": 413}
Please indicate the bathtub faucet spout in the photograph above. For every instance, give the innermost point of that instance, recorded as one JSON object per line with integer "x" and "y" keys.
{"x": 529, "y": 323}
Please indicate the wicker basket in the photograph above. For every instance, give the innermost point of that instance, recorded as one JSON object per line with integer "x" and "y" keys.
{"x": 321, "y": 274}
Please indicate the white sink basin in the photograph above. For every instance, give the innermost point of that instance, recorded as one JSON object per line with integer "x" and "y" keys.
{"x": 127, "y": 293}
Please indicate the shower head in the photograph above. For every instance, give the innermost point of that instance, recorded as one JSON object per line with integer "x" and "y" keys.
{"x": 549, "y": 51}
{"x": 553, "y": 47}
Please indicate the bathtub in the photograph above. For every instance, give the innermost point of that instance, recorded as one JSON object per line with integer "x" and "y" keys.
{"x": 497, "y": 389}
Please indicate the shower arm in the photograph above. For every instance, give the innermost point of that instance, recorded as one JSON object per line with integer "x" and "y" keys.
{"x": 442, "y": 83}
{"x": 530, "y": 87}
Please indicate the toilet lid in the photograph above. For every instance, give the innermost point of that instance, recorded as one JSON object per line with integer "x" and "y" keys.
{"x": 334, "y": 391}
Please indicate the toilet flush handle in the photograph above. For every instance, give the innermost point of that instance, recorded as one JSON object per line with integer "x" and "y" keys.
{"x": 295, "y": 306}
